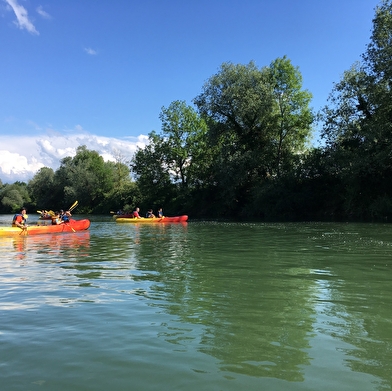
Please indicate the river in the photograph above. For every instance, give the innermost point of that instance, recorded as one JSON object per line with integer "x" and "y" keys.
{"x": 198, "y": 306}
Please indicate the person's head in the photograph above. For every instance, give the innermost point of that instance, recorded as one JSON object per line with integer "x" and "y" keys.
{"x": 23, "y": 210}
{"x": 61, "y": 211}
{"x": 137, "y": 209}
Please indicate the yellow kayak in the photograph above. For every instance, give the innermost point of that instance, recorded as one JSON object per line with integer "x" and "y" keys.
{"x": 173, "y": 219}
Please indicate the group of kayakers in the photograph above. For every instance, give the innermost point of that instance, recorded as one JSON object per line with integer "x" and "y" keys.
{"x": 136, "y": 213}
{"x": 61, "y": 217}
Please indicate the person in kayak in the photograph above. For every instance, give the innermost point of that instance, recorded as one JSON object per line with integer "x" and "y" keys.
{"x": 136, "y": 213}
{"x": 160, "y": 213}
{"x": 19, "y": 220}
{"x": 150, "y": 214}
{"x": 66, "y": 216}
{"x": 56, "y": 219}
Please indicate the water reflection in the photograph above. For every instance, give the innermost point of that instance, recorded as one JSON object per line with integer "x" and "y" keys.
{"x": 355, "y": 309}
{"x": 255, "y": 321}
{"x": 54, "y": 245}
{"x": 262, "y": 300}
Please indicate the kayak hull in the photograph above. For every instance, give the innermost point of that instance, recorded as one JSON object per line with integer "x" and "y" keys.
{"x": 72, "y": 226}
{"x": 173, "y": 219}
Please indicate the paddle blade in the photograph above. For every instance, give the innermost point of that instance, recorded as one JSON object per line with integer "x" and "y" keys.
{"x": 73, "y": 206}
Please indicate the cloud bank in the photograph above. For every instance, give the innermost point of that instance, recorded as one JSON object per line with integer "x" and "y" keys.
{"x": 21, "y": 157}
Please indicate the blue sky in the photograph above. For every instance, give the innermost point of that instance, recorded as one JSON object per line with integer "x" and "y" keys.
{"x": 97, "y": 73}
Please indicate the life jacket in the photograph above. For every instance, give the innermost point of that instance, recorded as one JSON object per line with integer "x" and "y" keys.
{"x": 65, "y": 218}
{"x": 18, "y": 218}
{"x": 56, "y": 220}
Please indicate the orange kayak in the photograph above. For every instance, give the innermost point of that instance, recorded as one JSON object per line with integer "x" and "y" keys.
{"x": 72, "y": 226}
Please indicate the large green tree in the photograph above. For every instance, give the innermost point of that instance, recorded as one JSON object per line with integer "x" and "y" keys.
{"x": 259, "y": 119}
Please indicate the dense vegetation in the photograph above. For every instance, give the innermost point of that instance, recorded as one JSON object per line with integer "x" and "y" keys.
{"x": 243, "y": 150}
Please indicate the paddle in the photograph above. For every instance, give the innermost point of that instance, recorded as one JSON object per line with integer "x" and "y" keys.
{"x": 50, "y": 212}
{"x": 24, "y": 230}
{"x": 73, "y": 206}
{"x": 67, "y": 224}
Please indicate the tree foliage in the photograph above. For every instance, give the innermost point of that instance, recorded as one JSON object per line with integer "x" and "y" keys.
{"x": 170, "y": 166}
{"x": 98, "y": 185}
{"x": 260, "y": 119}
{"x": 358, "y": 124}
{"x": 14, "y": 196}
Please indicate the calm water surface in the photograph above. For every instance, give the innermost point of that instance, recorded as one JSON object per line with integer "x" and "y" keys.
{"x": 198, "y": 306}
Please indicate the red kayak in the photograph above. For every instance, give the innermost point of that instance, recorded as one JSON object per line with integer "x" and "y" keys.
{"x": 71, "y": 226}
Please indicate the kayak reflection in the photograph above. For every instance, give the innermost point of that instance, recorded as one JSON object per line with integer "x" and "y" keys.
{"x": 51, "y": 244}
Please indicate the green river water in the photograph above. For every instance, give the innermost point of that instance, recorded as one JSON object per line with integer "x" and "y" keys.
{"x": 197, "y": 306}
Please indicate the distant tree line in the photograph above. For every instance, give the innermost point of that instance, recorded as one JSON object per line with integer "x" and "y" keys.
{"x": 243, "y": 150}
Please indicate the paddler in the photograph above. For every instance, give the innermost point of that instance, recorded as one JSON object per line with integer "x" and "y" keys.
{"x": 19, "y": 220}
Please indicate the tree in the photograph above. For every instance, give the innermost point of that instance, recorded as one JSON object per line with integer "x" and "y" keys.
{"x": 258, "y": 118}
{"x": 184, "y": 135}
{"x": 40, "y": 188}
{"x": 14, "y": 196}
{"x": 358, "y": 125}
{"x": 151, "y": 173}
{"x": 124, "y": 192}
{"x": 292, "y": 114}
{"x": 169, "y": 166}
{"x": 85, "y": 177}
{"x": 98, "y": 185}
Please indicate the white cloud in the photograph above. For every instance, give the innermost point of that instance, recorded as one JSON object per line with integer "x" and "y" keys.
{"x": 43, "y": 13}
{"x": 22, "y": 157}
{"x": 22, "y": 17}
{"x": 90, "y": 51}
{"x": 14, "y": 164}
